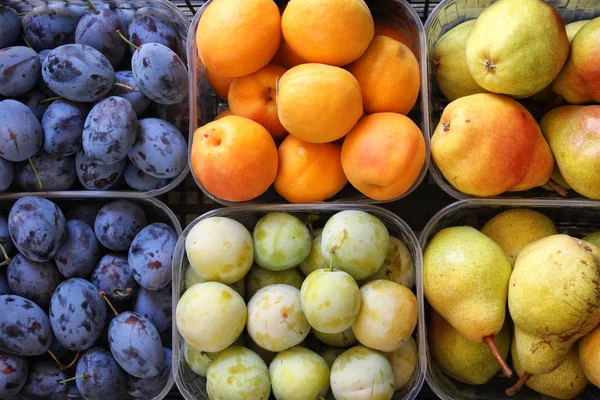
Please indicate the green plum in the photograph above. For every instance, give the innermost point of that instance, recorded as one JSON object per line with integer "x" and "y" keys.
{"x": 360, "y": 374}
{"x": 330, "y": 354}
{"x": 220, "y": 249}
{"x": 315, "y": 260}
{"x": 356, "y": 242}
{"x": 593, "y": 238}
{"x": 397, "y": 267}
{"x": 259, "y": 277}
{"x": 197, "y": 360}
{"x": 211, "y": 316}
{"x": 299, "y": 374}
{"x": 266, "y": 355}
{"x": 341, "y": 339}
{"x": 330, "y": 300}
{"x": 238, "y": 373}
{"x": 276, "y": 321}
{"x": 192, "y": 278}
{"x": 281, "y": 241}
{"x": 404, "y": 362}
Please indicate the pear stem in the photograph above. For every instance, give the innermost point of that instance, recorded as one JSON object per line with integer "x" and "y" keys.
{"x": 511, "y": 391}
{"x": 489, "y": 340}
{"x": 127, "y": 40}
{"x": 84, "y": 376}
{"x": 126, "y": 86}
{"x": 103, "y": 294}
{"x": 49, "y": 99}
{"x": 562, "y": 192}
{"x": 6, "y": 257}
{"x": 60, "y": 365}
{"x": 36, "y": 173}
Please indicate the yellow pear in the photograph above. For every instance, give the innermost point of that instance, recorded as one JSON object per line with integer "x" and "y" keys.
{"x": 589, "y": 355}
{"x": 593, "y": 238}
{"x": 575, "y": 27}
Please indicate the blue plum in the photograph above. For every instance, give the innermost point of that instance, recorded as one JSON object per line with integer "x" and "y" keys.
{"x": 156, "y": 305}
{"x": 51, "y": 25}
{"x": 160, "y": 73}
{"x": 32, "y": 100}
{"x": 56, "y": 173}
{"x": 62, "y": 124}
{"x": 85, "y": 212}
{"x": 103, "y": 377}
{"x": 4, "y": 288}
{"x": 7, "y": 174}
{"x": 24, "y": 327}
{"x": 37, "y": 227}
{"x": 135, "y": 344}
{"x": 35, "y": 281}
{"x": 5, "y": 240}
{"x": 150, "y": 255}
{"x": 10, "y": 27}
{"x": 77, "y": 314}
{"x": 45, "y": 382}
{"x": 138, "y": 100}
{"x": 118, "y": 223}
{"x": 79, "y": 253}
{"x": 113, "y": 276}
{"x": 160, "y": 149}
{"x": 19, "y": 70}
{"x": 59, "y": 350}
{"x": 13, "y": 373}
{"x": 94, "y": 176}
{"x": 20, "y": 131}
{"x": 139, "y": 180}
{"x": 42, "y": 85}
{"x": 78, "y": 72}
{"x": 151, "y": 387}
{"x": 110, "y": 130}
{"x": 98, "y": 29}
{"x": 177, "y": 114}
{"x": 150, "y": 25}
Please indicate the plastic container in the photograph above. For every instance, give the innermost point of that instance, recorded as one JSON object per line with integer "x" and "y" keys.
{"x": 576, "y": 218}
{"x": 155, "y": 211}
{"x": 205, "y": 105}
{"x": 447, "y": 15}
{"x": 127, "y": 6}
{"x": 193, "y": 386}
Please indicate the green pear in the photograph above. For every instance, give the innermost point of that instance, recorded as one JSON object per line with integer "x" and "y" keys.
{"x": 450, "y": 63}
{"x": 593, "y": 238}
{"x": 507, "y": 53}
{"x": 514, "y": 229}
{"x": 466, "y": 361}
{"x": 589, "y": 355}
{"x": 573, "y": 133}
{"x": 574, "y": 27}
{"x": 465, "y": 277}
{"x": 554, "y": 299}
{"x": 558, "y": 178}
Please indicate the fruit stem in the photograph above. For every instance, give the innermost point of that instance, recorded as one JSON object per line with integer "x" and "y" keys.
{"x": 74, "y": 360}
{"x": 103, "y": 294}
{"x": 27, "y": 42}
{"x": 60, "y": 365}
{"x": 126, "y": 86}
{"x": 127, "y": 40}
{"x": 562, "y": 192}
{"x": 92, "y": 8}
{"x": 516, "y": 388}
{"x": 489, "y": 340}
{"x": 84, "y": 376}
{"x": 36, "y": 173}
{"x": 390, "y": 275}
{"x": 3, "y": 263}
{"x": 121, "y": 293}
{"x": 309, "y": 221}
{"x": 49, "y": 99}
{"x": 6, "y": 257}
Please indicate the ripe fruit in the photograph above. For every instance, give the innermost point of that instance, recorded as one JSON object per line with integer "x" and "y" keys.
{"x": 299, "y": 373}
{"x": 287, "y": 57}
{"x": 319, "y": 103}
{"x": 219, "y": 83}
{"x": 309, "y": 172}
{"x": 259, "y": 277}
{"x": 398, "y": 265}
{"x": 341, "y": 339}
{"x": 404, "y": 362}
{"x": 315, "y": 260}
{"x": 238, "y": 38}
{"x": 388, "y": 74}
{"x": 223, "y": 114}
{"x": 234, "y": 158}
{"x": 335, "y": 32}
{"x": 389, "y": 28}
{"x": 254, "y": 97}
{"x": 383, "y": 155}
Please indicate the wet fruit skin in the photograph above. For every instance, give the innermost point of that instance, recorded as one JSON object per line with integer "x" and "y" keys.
{"x": 56, "y": 173}
{"x": 32, "y": 280}
{"x": 19, "y": 70}
{"x": 117, "y": 224}
{"x": 105, "y": 378}
{"x": 156, "y": 305}
{"x": 43, "y": 382}
{"x": 24, "y": 327}
{"x": 62, "y": 124}
{"x": 150, "y": 387}
{"x": 114, "y": 276}
{"x": 51, "y": 25}
{"x": 20, "y": 131}
{"x": 37, "y": 227}
{"x": 77, "y": 314}
{"x": 14, "y": 374}
{"x": 70, "y": 260}
{"x": 135, "y": 344}
{"x": 94, "y": 176}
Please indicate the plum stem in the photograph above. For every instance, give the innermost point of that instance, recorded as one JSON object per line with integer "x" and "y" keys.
{"x": 390, "y": 275}
{"x": 49, "y": 99}
{"x": 73, "y": 361}
{"x": 562, "y": 192}
{"x": 489, "y": 340}
{"x": 6, "y": 257}
{"x": 27, "y": 42}
{"x": 126, "y": 86}
{"x": 103, "y": 294}
{"x": 84, "y": 376}
{"x": 92, "y": 8}
{"x": 60, "y": 365}
{"x": 516, "y": 388}
{"x": 309, "y": 222}
{"x": 121, "y": 293}
{"x": 127, "y": 40}
{"x": 36, "y": 173}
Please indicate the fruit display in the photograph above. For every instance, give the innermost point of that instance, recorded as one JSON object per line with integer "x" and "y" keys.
{"x": 92, "y": 95}
{"x": 74, "y": 321}
{"x": 512, "y": 296}
{"x": 340, "y": 331}
{"x": 513, "y": 99}
{"x": 306, "y": 101}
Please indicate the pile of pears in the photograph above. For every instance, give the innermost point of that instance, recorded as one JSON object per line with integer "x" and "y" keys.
{"x": 523, "y": 90}
{"x": 551, "y": 285}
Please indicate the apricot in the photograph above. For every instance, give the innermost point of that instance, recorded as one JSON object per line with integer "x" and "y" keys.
{"x": 388, "y": 74}
{"x": 309, "y": 172}
{"x": 389, "y": 28}
{"x": 223, "y": 114}
{"x": 219, "y": 83}
{"x": 254, "y": 96}
{"x": 234, "y": 158}
{"x": 383, "y": 155}
{"x": 287, "y": 57}
{"x": 236, "y": 38}
{"x": 334, "y": 32}
{"x": 319, "y": 103}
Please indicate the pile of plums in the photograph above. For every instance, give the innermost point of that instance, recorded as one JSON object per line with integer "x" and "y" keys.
{"x": 85, "y": 301}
